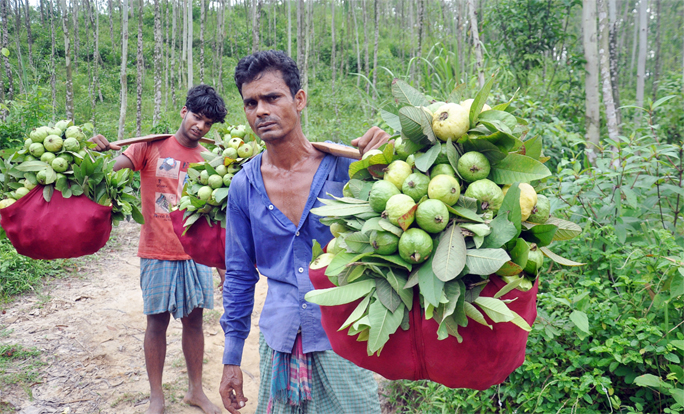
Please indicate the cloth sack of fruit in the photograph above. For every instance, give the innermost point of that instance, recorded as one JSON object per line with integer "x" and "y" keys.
{"x": 205, "y": 243}
{"x": 59, "y": 229}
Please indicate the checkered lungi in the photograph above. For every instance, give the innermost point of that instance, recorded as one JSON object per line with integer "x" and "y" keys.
{"x": 175, "y": 286}
{"x": 338, "y": 386}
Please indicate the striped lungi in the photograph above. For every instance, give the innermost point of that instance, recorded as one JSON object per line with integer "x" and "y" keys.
{"x": 175, "y": 286}
{"x": 338, "y": 386}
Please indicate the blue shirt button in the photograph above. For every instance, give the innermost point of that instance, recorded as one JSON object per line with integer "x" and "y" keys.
{"x": 301, "y": 270}
{"x": 270, "y": 207}
{"x": 303, "y": 305}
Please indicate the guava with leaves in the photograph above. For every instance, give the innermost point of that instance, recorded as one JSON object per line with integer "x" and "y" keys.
{"x": 541, "y": 211}
{"x": 473, "y": 166}
{"x": 381, "y": 191}
{"x": 450, "y": 120}
{"x": 489, "y": 194}
{"x": 416, "y": 186}
{"x": 415, "y": 245}
{"x": 445, "y": 188}
{"x": 432, "y": 216}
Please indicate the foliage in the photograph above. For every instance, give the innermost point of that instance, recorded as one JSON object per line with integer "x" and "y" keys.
{"x": 24, "y": 113}
{"x": 19, "y": 365}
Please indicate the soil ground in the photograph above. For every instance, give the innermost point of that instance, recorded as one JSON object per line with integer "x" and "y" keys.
{"x": 89, "y": 330}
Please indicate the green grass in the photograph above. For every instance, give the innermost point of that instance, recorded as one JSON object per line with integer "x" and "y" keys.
{"x": 19, "y": 366}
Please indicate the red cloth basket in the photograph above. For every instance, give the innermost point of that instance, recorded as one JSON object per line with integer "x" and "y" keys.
{"x": 205, "y": 244}
{"x": 485, "y": 357}
{"x": 60, "y": 229}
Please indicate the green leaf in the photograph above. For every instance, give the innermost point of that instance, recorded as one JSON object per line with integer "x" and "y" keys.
{"x": 76, "y": 189}
{"x": 430, "y": 286}
{"x": 473, "y": 313}
{"x": 5, "y": 52}
{"x": 387, "y": 226}
{"x": 541, "y": 234}
{"x": 316, "y": 250}
{"x": 407, "y": 94}
{"x": 425, "y": 160}
{"x": 397, "y": 281}
{"x": 343, "y": 210}
{"x": 340, "y": 262}
{"x": 509, "y": 287}
{"x": 340, "y": 295}
{"x": 493, "y": 153}
{"x": 383, "y": 323}
{"x": 391, "y": 119}
{"x": 502, "y": 232}
{"x": 566, "y": 229}
{"x": 387, "y": 295}
{"x": 359, "y": 242}
{"x": 449, "y": 258}
{"x": 465, "y": 212}
{"x": 479, "y": 101}
{"x": 221, "y": 194}
{"x": 481, "y": 230}
{"x": 137, "y": 215}
{"x": 452, "y": 154}
{"x": 510, "y": 207}
{"x": 47, "y": 192}
{"x": 413, "y": 122}
{"x": 533, "y": 147}
{"x": 485, "y": 261}
{"x": 358, "y": 312}
{"x": 520, "y": 252}
{"x": 649, "y": 380}
{"x": 516, "y": 167}
{"x": 372, "y": 224}
{"x": 580, "y": 320}
{"x": 677, "y": 283}
{"x": 495, "y": 309}
{"x": 493, "y": 115}
{"x": 520, "y": 322}
{"x": 34, "y": 166}
{"x": 393, "y": 258}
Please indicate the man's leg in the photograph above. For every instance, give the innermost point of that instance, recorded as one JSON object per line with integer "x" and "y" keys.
{"x": 193, "y": 349}
{"x": 155, "y": 353}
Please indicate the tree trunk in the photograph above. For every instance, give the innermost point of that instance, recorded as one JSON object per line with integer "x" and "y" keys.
{"x": 333, "y": 66}
{"x": 139, "y": 76}
{"x": 411, "y": 24}
{"x": 604, "y": 54}
{"x": 67, "y": 56}
{"x": 95, "y": 84}
{"x": 375, "y": 47}
{"x": 5, "y": 44}
{"x": 173, "y": 51}
{"x": 53, "y": 70}
{"x": 157, "y": 64}
{"x": 643, "y": 50}
{"x": 17, "y": 36}
{"x": 289, "y": 28}
{"x": 614, "y": 58}
{"x": 421, "y": 28}
{"x": 459, "y": 39}
{"x": 41, "y": 7}
{"x": 358, "y": 48}
{"x": 111, "y": 21}
{"x": 191, "y": 74}
{"x": 29, "y": 37}
{"x": 366, "y": 66}
{"x": 591, "y": 78}
{"x": 300, "y": 33}
{"x": 656, "y": 71}
{"x": 256, "y": 24}
{"x": 222, "y": 40}
{"x": 202, "y": 23}
{"x": 635, "y": 42}
{"x": 305, "y": 70}
{"x": 122, "y": 73}
{"x": 166, "y": 58}
{"x": 477, "y": 45}
{"x": 77, "y": 38}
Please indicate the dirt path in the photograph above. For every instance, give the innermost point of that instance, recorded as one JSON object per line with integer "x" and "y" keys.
{"x": 90, "y": 329}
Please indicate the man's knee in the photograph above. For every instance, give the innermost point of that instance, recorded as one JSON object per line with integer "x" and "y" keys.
{"x": 194, "y": 320}
{"x": 158, "y": 322}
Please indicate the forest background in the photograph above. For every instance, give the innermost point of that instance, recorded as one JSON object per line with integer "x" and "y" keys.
{"x": 601, "y": 82}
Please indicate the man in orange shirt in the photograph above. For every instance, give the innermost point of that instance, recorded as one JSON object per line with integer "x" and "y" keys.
{"x": 172, "y": 283}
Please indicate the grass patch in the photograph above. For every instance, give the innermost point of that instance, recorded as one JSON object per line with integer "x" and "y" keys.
{"x": 131, "y": 399}
{"x": 19, "y": 366}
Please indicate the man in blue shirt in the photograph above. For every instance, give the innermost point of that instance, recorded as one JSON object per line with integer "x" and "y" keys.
{"x": 270, "y": 226}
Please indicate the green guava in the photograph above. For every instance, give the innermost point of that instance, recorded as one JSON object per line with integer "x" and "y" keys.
{"x": 41, "y": 177}
{"x": 442, "y": 157}
{"x": 215, "y": 181}
{"x": 245, "y": 151}
{"x": 204, "y": 177}
{"x": 53, "y": 143}
{"x": 473, "y": 166}
{"x": 535, "y": 260}
{"x": 221, "y": 170}
{"x": 397, "y": 172}
{"x": 7, "y": 202}
{"x": 71, "y": 144}
{"x": 39, "y": 134}
{"x": 68, "y": 157}
{"x": 432, "y": 216}
{"x": 540, "y": 212}
{"x": 398, "y": 206}
{"x": 416, "y": 186}
{"x": 487, "y": 193}
{"x": 213, "y": 200}
{"x": 235, "y": 143}
{"x": 27, "y": 143}
{"x": 336, "y": 229}
{"x": 411, "y": 160}
{"x": 346, "y": 191}
{"x": 238, "y": 131}
{"x": 227, "y": 179}
{"x": 29, "y": 185}
{"x": 415, "y": 245}
{"x": 64, "y": 124}
{"x": 451, "y": 120}
{"x": 370, "y": 153}
{"x": 36, "y": 149}
{"x": 59, "y": 164}
{"x": 381, "y": 192}
{"x": 440, "y": 169}
{"x": 75, "y": 132}
{"x": 21, "y": 191}
{"x": 234, "y": 168}
{"x": 469, "y": 102}
{"x": 528, "y": 199}
{"x": 230, "y": 152}
{"x": 321, "y": 261}
{"x": 204, "y": 193}
{"x": 384, "y": 242}
{"x": 445, "y": 188}
{"x": 47, "y": 157}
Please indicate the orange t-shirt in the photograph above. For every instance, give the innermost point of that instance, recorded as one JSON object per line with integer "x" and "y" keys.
{"x": 163, "y": 167}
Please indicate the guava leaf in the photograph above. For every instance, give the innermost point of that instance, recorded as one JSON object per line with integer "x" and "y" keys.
{"x": 397, "y": 281}
{"x": 447, "y": 326}
{"x": 76, "y": 189}
{"x": 342, "y": 210}
{"x": 372, "y": 224}
{"x": 456, "y": 94}
{"x": 340, "y": 262}
{"x": 516, "y": 167}
{"x": 449, "y": 258}
{"x": 478, "y": 229}
{"x": 452, "y": 155}
{"x": 503, "y": 117}
{"x": 493, "y": 153}
{"x": 387, "y": 226}
{"x": 383, "y": 323}
{"x": 485, "y": 261}
{"x": 412, "y": 125}
{"x": 533, "y": 147}
{"x": 346, "y": 200}
{"x": 520, "y": 322}
{"x": 391, "y": 119}
{"x": 580, "y": 320}
{"x": 473, "y": 313}
{"x": 558, "y": 259}
{"x": 479, "y": 101}
{"x": 407, "y": 94}
{"x": 509, "y": 268}
{"x": 495, "y": 309}
{"x": 358, "y": 312}
{"x": 509, "y": 287}
{"x": 359, "y": 242}
{"x": 430, "y": 286}
{"x": 425, "y": 160}
{"x": 387, "y": 295}
{"x": 406, "y": 219}
{"x": 520, "y": 252}
{"x": 510, "y": 207}
{"x": 464, "y": 212}
{"x": 503, "y": 230}
{"x": 393, "y": 258}
{"x": 566, "y": 229}
{"x": 541, "y": 234}
{"x": 221, "y": 194}
{"x": 469, "y": 203}
{"x": 340, "y": 295}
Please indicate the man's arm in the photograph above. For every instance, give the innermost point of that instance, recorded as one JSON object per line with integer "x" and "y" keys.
{"x": 103, "y": 144}
{"x": 372, "y": 139}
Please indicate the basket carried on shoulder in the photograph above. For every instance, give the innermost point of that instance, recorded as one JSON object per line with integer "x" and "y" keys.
{"x": 204, "y": 243}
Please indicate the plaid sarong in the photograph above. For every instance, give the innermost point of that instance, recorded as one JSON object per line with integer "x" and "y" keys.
{"x": 291, "y": 376}
{"x": 337, "y": 386}
{"x": 175, "y": 286}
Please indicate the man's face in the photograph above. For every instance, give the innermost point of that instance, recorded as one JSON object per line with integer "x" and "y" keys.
{"x": 271, "y": 110}
{"x": 194, "y": 126}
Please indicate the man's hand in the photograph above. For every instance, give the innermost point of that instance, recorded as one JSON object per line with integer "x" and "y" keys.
{"x": 103, "y": 144}
{"x": 372, "y": 139}
{"x": 231, "y": 389}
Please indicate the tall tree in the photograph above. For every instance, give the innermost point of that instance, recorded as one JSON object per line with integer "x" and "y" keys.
{"x": 77, "y": 38}
{"x": 656, "y": 69}
{"x": 41, "y": 8}
{"x": 29, "y": 37}
{"x": 191, "y": 74}
{"x": 591, "y": 79}
{"x": 375, "y": 47}
{"x": 643, "y": 50}
{"x": 157, "y": 64}
{"x": 366, "y": 67}
{"x": 111, "y": 21}
{"x": 5, "y": 58}
{"x": 604, "y": 54}
{"x": 17, "y": 37}
{"x": 67, "y": 56}
{"x": 301, "y": 31}
{"x": 614, "y": 56}
{"x": 289, "y": 28}
{"x": 53, "y": 69}
{"x": 166, "y": 58}
{"x": 477, "y": 44}
{"x": 95, "y": 84}
{"x": 256, "y": 24}
{"x": 139, "y": 63}
{"x": 358, "y": 48}
{"x": 222, "y": 40}
{"x": 202, "y": 24}
{"x": 333, "y": 66}
{"x": 173, "y": 51}
{"x": 122, "y": 73}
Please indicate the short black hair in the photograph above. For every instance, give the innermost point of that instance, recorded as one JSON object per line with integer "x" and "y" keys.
{"x": 204, "y": 100}
{"x": 250, "y": 67}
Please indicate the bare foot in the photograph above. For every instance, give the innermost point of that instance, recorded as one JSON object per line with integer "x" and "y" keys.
{"x": 156, "y": 405}
{"x": 199, "y": 399}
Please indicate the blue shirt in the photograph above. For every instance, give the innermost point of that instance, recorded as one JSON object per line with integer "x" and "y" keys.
{"x": 258, "y": 234}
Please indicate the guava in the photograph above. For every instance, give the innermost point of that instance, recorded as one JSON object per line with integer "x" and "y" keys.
{"x": 346, "y": 191}
{"x": 245, "y": 151}
{"x": 212, "y": 200}
{"x": 432, "y": 216}
{"x": 528, "y": 198}
{"x": 381, "y": 192}
{"x": 71, "y": 144}
{"x": 221, "y": 170}
{"x": 63, "y": 124}
{"x": 439, "y": 169}
{"x": 469, "y": 102}
{"x": 336, "y": 229}
{"x": 204, "y": 193}
{"x": 451, "y": 120}
{"x": 238, "y": 131}
{"x": 82, "y": 154}
{"x": 321, "y": 261}
{"x": 330, "y": 247}
{"x": 29, "y": 185}
{"x": 435, "y": 106}
{"x": 535, "y": 260}
{"x": 227, "y": 179}
{"x": 75, "y": 133}
{"x": 397, "y": 172}
{"x": 230, "y": 152}
{"x": 41, "y": 177}
{"x": 215, "y": 181}
{"x": 39, "y": 134}
{"x": 487, "y": 193}
{"x": 7, "y": 202}
{"x": 540, "y": 212}
{"x": 21, "y": 191}
{"x": 36, "y": 149}
{"x": 442, "y": 157}
{"x": 416, "y": 186}
{"x": 53, "y": 143}
{"x": 445, "y": 188}
{"x": 524, "y": 285}
{"x": 411, "y": 160}
{"x": 235, "y": 143}
{"x": 54, "y": 131}
{"x": 234, "y": 168}
{"x": 415, "y": 245}
{"x": 370, "y": 153}
{"x": 473, "y": 166}
{"x": 27, "y": 143}
{"x": 401, "y": 149}
{"x": 204, "y": 177}
{"x": 384, "y": 242}
{"x": 398, "y": 206}
{"x": 68, "y": 157}
{"x": 59, "y": 164}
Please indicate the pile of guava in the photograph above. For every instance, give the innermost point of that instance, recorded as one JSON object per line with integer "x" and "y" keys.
{"x": 57, "y": 157}
{"x": 454, "y": 199}
{"x": 205, "y": 193}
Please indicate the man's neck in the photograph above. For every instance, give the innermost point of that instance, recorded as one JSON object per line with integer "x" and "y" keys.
{"x": 286, "y": 153}
{"x": 185, "y": 141}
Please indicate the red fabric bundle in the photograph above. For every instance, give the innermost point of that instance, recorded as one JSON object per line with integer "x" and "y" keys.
{"x": 59, "y": 229}
{"x": 485, "y": 357}
{"x": 205, "y": 244}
